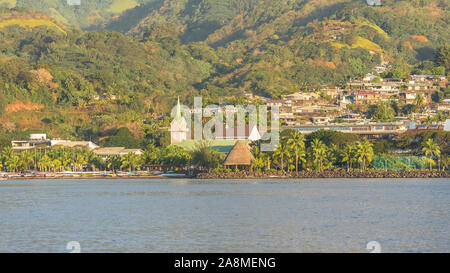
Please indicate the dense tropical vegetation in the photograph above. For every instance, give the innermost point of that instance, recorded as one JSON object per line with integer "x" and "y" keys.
{"x": 322, "y": 150}
{"x": 325, "y": 150}
{"x": 77, "y": 160}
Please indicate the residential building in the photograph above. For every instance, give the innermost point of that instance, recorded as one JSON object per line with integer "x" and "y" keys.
{"x": 366, "y": 97}
{"x": 41, "y": 141}
{"x": 73, "y": 144}
{"x": 21, "y": 145}
{"x": 371, "y": 130}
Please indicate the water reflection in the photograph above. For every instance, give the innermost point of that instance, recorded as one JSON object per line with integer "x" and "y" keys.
{"x": 225, "y": 216}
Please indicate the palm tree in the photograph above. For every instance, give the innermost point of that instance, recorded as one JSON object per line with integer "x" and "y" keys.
{"x": 56, "y": 165}
{"x": 127, "y": 161}
{"x": 259, "y": 163}
{"x": 296, "y": 142}
{"x": 66, "y": 160}
{"x": 150, "y": 155}
{"x": 348, "y": 155}
{"x": 7, "y": 152}
{"x": 131, "y": 161}
{"x": 45, "y": 163}
{"x": 319, "y": 152}
{"x": 332, "y": 155}
{"x": 80, "y": 161}
{"x": 12, "y": 162}
{"x": 364, "y": 152}
{"x": 26, "y": 160}
{"x": 138, "y": 162}
{"x": 431, "y": 150}
{"x": 419, "y": 101}
{"x": 203, "y": 156}
{"x": 282, "y": 152}
{"x": 6, "y": 155}
{"x": 113, "y": 162}
{"x": 260, "y": 158}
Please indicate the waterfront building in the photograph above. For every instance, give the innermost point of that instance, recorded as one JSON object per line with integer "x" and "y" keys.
{"x": 115, "y": 151}
{"x": 41, "y": 141}
{"x": 32, "y": 143}
{"x": 239, "y": 156}
{"x": 371, "y": 129}
{"x": 73, "y": 144}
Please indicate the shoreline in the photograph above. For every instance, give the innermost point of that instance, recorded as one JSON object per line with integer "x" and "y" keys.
{"x": 83, "y": 177}
{"x": 246, "y": 175}
{"x": 324, "y": 174}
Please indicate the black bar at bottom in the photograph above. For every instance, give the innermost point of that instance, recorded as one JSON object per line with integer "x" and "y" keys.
{"x": 217, "y": 262}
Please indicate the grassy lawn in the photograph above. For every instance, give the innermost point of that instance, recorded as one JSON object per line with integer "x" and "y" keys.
{"x": 374, "y": 26}
{"x": 122, "y": 5}
{"x": 221, "y": 146}
{"x": 30, "y": 23}
{"x": 360, "y": 42}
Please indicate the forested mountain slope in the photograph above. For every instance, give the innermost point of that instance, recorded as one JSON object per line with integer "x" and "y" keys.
{"x": 281, "y": 45}
{"x": 161, "y": 49}
{"x": 89, "y": 14}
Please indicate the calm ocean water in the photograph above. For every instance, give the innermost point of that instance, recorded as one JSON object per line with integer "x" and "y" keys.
{"x": 329, "y": 215}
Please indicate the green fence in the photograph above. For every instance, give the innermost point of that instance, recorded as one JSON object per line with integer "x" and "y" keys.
{"x": 400, "y": 163}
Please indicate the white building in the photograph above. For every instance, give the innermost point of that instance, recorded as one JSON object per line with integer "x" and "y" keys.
{"x": 178, "y": 127}
{"x": 447, "y": 125}
{"x": 38, "y": 136}
{"x": 115, "y": 151}
{"x": 41, "y": 141}
{"x": 73, "y": 144}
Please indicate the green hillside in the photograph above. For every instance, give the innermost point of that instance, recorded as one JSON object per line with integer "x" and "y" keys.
{"x": 90, "y": 14}
{"x": 84, "y": 84}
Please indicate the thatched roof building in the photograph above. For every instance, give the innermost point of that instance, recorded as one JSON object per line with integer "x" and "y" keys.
{"x": 240, "y": 155}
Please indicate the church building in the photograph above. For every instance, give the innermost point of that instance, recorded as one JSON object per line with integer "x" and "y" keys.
{"x": 178, "y": 127}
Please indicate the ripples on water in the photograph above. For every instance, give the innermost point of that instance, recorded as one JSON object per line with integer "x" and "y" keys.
{"x": 403, "y": 215}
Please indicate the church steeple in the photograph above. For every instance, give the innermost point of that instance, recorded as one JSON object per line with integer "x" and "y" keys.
{"x": 178, "y": 114}
{"x": 178, "y": 126}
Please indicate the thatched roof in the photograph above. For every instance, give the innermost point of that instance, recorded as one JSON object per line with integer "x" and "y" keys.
{"x": 240, "y": 155}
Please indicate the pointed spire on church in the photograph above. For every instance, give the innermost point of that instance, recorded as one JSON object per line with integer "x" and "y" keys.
{"x": 178, "y": 114}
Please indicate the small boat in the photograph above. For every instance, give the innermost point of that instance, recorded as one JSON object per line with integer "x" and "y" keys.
{"x": 175, "y": 175}
{"x": 3, "y": 178}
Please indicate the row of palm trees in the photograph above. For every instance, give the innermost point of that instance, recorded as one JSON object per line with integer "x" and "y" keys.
{"x": 292, "y": 153}
{"x": 61, "y": 159}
